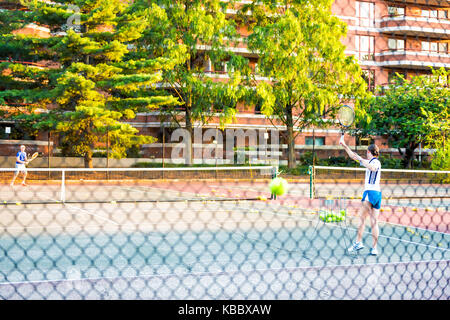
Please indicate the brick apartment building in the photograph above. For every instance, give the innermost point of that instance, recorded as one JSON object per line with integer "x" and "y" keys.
{"x": 387, "y": 37}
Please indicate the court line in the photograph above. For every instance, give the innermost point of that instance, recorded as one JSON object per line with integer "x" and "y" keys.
{"x": 85, "y": 211}
{"x": 164, "y": 191}
{"x": 274, "y": 213}
{"x": 366, "y": 232}
{"x": 313, "y": 268}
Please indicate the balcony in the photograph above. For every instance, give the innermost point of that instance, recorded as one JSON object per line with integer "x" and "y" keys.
{"x": 412, "y": 59}
{"x": 438, "y": 3}
{"x": 412, "y": 25}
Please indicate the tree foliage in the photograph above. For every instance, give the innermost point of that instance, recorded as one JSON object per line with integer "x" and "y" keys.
{"x": 302, "y": 57}
{"x": 206, "y": 33}
{"x": 412, "y": 111}
{"x": 102, "y": 78}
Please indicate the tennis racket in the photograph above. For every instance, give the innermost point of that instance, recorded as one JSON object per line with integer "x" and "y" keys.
{"x": 346, "y": 116}
{"x": 34, "y": 156}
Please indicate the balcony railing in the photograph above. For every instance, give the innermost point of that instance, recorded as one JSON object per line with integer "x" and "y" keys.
{"x": 410, "y": 58}
{"x": 415, "y": 25}
{"x": 414, "y": 16}
{"x": 417, "y": 52}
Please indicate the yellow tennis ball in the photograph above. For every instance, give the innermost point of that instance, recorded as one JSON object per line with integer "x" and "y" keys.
{"x": 278, "y": 186}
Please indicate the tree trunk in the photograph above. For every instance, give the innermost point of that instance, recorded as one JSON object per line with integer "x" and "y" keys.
{"x": 290, "y": 138}
{"x": 189, "y": 128}
{"x": 88, "y": 163}
{"x": 408, "y": 156}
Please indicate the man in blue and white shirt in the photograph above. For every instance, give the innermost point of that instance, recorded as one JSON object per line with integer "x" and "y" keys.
{"x": 21, "y": 161}
{"x": 371, "y": 199}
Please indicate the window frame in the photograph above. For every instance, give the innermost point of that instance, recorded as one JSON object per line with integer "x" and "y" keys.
{"x": 365, "y": 55}
{"x": 370, "y": 19}
{"x": 314, "y": 139}
{"x": 397, "y": 41}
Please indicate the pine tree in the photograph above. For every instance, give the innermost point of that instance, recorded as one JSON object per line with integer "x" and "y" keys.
{"x": 101, "y": 79}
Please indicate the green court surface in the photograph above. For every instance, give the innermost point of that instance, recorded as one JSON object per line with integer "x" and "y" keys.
{"x": 210, "y": 250}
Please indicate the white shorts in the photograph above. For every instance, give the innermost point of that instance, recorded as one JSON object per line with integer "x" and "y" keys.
{"x": 20, "y": 167}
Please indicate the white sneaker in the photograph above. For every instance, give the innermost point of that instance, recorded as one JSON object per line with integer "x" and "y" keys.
{"x": 373, "y": 251}
{"x": 355, "y": 247}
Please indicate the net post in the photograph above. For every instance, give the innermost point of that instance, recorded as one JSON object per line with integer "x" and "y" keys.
{"x": 63, "y": 186}
{"x": 311, "y": 181}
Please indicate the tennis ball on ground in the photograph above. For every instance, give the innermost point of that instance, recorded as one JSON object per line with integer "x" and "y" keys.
{"x": 278, "y": 186}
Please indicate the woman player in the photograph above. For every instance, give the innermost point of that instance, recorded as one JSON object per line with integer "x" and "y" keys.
{"x": 21, "y": 161}
{"x": 372, "y": 191}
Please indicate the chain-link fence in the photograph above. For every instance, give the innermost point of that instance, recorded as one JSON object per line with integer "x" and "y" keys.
{"x": 214, "y": 233}
{"x": 218, "y": 232}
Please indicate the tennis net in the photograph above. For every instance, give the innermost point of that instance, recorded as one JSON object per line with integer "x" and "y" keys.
{"x": 395, "y": 183}
{"x": 45, "y": 185}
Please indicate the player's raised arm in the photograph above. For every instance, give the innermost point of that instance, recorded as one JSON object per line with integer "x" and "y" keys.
{"x": 350, "y": 153}
{"x": 366, "y": 163}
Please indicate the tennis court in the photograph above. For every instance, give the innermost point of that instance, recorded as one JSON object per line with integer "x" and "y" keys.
{"x": 213, "y": 238}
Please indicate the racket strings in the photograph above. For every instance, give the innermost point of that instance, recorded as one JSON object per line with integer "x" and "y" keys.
{"x": 346, "y": 116}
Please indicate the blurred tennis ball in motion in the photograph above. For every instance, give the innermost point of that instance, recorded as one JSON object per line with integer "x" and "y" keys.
{"x": 278, "y": 186}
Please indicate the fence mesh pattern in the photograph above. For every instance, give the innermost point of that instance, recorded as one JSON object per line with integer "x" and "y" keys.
{"x": 211, "y": 233}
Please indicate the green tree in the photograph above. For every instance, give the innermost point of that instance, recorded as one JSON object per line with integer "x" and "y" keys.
{"x": 102, "y": 80}
{"x": 204, "y": 30}
{"x": 302, "y": 56}
{"x": 412, "y": 111}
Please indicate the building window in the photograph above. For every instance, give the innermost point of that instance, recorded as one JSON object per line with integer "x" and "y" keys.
{"x": 429, "y": 14}
{"x": 258, "y": 107}
{"x": 443, "y": 47}
{"x": 220, "y": 66}
{"x": 396, "y": 11}
{"x": 429, "y": 46}
{"x": 443, "y": 14}
{"x": 433, "y": 47}
{"x": 363, "y": 141}
{"x": 396, "y": 44}
{"x": 319, "y": 141}
{"x": 365, "y": 46}
{"x": 369, "y": 77}
{"x": 365, "y": 13}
